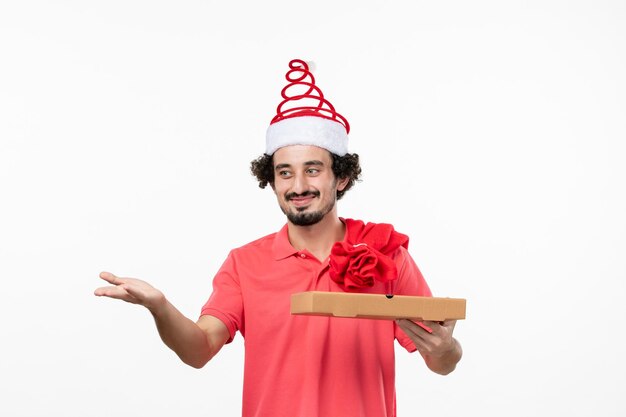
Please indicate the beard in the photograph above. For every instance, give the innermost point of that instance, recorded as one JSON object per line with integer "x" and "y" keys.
{"x": 305, "y": 219}
{"x": 302, "y": 218}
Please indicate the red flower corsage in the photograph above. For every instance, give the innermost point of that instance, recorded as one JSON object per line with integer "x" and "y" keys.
{"x": 364, "y": 257}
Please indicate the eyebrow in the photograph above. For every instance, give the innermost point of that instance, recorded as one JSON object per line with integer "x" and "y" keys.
{"x": 314, "y": 162}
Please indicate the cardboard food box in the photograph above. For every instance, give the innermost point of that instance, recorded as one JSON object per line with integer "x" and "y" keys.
{"x": 377, "y": 306}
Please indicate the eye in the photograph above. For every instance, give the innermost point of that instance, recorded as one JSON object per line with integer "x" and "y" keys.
{"x": 284, "y": 174}
{"x": 312, "y": 171}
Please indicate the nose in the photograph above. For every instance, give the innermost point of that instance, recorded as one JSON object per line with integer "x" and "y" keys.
{"x": 299, "y": 183}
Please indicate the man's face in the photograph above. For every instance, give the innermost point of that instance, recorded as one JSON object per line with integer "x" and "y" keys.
{"x": 304, "y": 183}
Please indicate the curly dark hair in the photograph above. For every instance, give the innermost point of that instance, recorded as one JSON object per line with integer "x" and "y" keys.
{"x": 346, "y": 166}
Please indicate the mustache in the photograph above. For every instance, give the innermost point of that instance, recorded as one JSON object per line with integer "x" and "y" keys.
{"x": 290, "y": 196}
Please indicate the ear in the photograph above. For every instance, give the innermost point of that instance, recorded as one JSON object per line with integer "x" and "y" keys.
{"x": 342, "y": 183}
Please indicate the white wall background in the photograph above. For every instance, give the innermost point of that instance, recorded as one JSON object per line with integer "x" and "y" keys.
{"x": 491, "y": 132}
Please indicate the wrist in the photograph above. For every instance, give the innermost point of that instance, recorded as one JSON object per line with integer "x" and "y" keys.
{"x": 452, "y": 350}
{"x": 158, "y": 308}
{"x": 445, "y": 362}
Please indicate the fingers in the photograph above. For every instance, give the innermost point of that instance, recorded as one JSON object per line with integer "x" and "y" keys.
{"x": 449, "y": 324}
{"x": 416, "y": 326}
{"x": 115, "y": 292}
{"x": 429, "y": 329}
{"x": 439, "y": 326}
{"x": 429, "y": 337}
{"x": 110, "y": 278}
{"x": 131, "y": 290}
{"x": 414, "y": 329}
{"x": 118, "y": 289}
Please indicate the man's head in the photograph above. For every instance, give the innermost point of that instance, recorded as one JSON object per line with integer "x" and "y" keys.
{"x": 306, "y": 158}
{"x": 307, "y": 180}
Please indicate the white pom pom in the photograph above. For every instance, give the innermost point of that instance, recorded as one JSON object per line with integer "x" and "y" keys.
{"x": 311, "y": 65}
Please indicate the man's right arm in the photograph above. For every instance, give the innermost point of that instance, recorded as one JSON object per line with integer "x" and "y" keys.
{"x": 194, "y": 343}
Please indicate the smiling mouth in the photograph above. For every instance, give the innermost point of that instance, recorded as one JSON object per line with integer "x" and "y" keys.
{"x": 301, "y": 201}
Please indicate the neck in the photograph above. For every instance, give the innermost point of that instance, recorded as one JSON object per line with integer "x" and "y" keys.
{"x": 318, "y": 238}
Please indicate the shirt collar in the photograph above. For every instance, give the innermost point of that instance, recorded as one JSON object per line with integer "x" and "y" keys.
{"x": 282, "y": 247}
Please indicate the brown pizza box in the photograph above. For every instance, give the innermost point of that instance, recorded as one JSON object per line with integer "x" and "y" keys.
{"x": 377, "y": 306}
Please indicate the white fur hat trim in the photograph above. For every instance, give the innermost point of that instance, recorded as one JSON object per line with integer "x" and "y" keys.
{"x": 307, "y": 130}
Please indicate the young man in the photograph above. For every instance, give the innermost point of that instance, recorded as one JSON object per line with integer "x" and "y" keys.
{"x": 303, "y": 365}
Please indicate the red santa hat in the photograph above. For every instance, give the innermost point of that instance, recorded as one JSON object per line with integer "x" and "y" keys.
{"x": 305, "y": 117}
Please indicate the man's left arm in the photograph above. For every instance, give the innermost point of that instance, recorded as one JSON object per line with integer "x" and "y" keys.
{"x": 435, "y": 343}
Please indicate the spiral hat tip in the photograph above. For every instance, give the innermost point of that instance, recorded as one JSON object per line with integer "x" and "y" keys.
{"x": 305, "y": 116}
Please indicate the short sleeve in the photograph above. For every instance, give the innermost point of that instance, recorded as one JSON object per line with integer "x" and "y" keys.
{"x": 410, "y": 282}
{"x": 226, "y": 302}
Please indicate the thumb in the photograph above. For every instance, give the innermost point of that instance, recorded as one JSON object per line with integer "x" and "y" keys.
{"x": 449, "y": 324}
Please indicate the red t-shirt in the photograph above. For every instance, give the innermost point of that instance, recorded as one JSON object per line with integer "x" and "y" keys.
{"x": 307, "y": 366}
